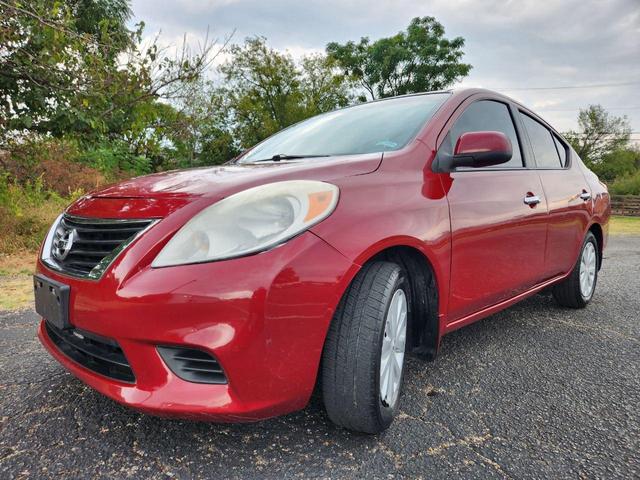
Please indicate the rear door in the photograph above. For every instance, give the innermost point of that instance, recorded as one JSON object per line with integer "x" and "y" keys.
{"x": 567, "y": 192}
{"x": 498, "y": 240}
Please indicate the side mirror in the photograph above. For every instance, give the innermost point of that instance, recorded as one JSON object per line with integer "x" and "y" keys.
{"x": 481, "y": 149}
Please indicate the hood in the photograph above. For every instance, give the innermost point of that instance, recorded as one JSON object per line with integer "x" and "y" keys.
{"x": 224, "y": 180}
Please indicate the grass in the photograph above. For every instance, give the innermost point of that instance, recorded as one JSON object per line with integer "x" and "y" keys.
{"x": 16, "y": 289}
{"x": 624, "y": 226}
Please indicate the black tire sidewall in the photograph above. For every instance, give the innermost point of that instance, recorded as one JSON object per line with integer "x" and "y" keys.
{"x": 387, "y": 413}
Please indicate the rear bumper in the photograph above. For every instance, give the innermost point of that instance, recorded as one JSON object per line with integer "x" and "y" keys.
{"x": 264, "y": 318}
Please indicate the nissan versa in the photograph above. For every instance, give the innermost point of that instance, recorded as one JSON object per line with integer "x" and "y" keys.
{"x": 323, "y": 255}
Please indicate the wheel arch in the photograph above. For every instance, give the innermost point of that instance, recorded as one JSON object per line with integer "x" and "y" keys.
{"x": 425, "y": 331}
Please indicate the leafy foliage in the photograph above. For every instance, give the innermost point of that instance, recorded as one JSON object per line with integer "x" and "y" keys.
{"x": 34, "y": 76}
{"x": 105, "y": 19}
{"x": 628, "y": 184}
{"x": 56, "y": 164}
{"x": 603, "y": 143}
{"x": 618, "y": 163}
{"x": 416, "y": 60}
{"x": 74, "y": 69}
{"x": 26, "y": 213}
{"x": 263, "y": 90}
{"x": 115, "y": 158}
{"x": 323, "y": 87}
{"x": 266, "y": 90}
{"x": 599, "y": 134}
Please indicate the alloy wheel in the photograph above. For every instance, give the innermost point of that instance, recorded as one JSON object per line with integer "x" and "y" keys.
{"x": 588, "y": 266}
{"x": 393, "y": 346}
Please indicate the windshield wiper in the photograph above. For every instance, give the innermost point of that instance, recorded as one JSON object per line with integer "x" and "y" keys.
{"x": 284, "y": 156}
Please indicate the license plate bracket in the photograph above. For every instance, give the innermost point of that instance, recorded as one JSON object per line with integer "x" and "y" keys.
{"x": 52, "y": 300}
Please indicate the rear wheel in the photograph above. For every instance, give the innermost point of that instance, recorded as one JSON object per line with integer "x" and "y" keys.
{"x": 363, "y": 359}
{"x": 577, "y": 289}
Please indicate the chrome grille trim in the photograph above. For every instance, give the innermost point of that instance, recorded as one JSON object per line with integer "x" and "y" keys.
{"x": 96, "y": 242}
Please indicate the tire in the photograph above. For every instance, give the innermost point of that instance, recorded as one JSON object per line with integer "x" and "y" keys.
{"x": 570, "y": 292}
{"x": 351, "y": 361}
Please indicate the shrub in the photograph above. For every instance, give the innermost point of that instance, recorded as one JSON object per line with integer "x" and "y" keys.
{"x": 52, "y": 164}
{"x": 621, "y": 162}
{"x": 39, "y": 177}
{"x": 26, "y": 213}
{"x": 115, "y": 161}
{"x": 626, "y": 185}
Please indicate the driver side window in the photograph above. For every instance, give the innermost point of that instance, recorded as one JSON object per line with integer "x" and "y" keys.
{"x": 487, "y": 115}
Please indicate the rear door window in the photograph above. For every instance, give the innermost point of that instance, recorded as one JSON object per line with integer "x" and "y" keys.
{"x": 562, "y": 151}
{"x": 487, "y": 115}
{"x": 542, "y": 142}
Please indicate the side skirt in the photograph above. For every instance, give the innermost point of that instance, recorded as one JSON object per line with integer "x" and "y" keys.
{"x": 455, "y": 325}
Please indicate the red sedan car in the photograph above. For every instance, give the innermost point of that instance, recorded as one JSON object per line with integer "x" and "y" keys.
{"x": 326, "y": 253}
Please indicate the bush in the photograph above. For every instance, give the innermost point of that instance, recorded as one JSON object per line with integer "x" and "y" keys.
{"x": 619, "y": 163}
{"x": 65, "y": 165}
{"x": 39, "y": 177}
{"x": 26, "y": 213}
{"x": 52, "y": 164}
{"x": 116, "y": 161}
{"x": 626, "y": 185}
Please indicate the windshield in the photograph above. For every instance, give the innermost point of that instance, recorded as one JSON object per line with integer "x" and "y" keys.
{"x": 367, "y": 128}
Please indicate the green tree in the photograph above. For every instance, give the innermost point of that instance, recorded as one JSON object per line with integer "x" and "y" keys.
{"x": 324, "y": 88}
{"x": 263, "y": 88}
{"x": 106, "y": 19}
{"x": 37, "y": 66}
{"x": 266, "y": 91}
{"x": 74, "y": 69}
{"x": 51, "y": 50}
{"x": 201, "y": 133}
{"x": 599, "y": 134}
{"x": 416, "y": 60}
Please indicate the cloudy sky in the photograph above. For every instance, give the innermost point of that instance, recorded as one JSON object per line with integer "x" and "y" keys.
{"x": 522, "y": 48}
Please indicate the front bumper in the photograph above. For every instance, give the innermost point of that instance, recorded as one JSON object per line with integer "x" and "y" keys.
{"x": 263, "y": 317}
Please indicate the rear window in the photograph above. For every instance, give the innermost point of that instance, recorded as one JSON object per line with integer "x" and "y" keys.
{"x": 542, "y": 142}
{"x": 381, "y": 126}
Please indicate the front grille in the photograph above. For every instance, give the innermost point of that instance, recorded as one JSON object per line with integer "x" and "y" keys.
{"x": 80, "y": 244}
{"x": 193, "y": 365}
{"x": 98, "y": 354}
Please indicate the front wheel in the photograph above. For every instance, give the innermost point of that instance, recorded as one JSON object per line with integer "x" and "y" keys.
{"x": 577, "y": 289}
{"x": 363, "y": 358}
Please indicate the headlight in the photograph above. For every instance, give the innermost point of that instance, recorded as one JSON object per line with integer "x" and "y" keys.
{"x": 48, "y": 241}
{"x": 250, "y": 221}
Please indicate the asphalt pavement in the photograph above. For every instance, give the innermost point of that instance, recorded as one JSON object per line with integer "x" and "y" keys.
{"x": 535, "y": 391}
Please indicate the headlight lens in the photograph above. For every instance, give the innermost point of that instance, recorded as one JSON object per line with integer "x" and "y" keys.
{"x": 48, "y": 241}
{"x": 250, "y": 221}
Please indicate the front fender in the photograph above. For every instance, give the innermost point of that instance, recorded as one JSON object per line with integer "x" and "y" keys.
{"x": 391, "y": 208}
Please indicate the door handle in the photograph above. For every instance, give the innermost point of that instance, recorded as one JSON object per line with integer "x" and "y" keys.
{"x": 532, "y": 200}
{"x": 585, "y": 195}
